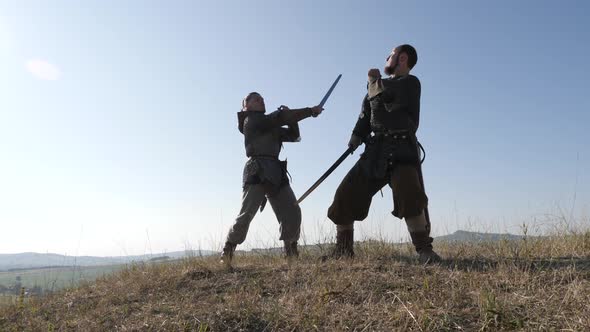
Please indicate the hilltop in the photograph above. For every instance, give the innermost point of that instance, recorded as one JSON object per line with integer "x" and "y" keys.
{"x": 530, "y": 284}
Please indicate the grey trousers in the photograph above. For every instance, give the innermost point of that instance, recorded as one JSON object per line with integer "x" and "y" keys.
{"x": 283, "y": 204}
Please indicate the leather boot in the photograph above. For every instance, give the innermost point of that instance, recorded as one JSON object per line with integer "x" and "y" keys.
{"x": 227, "y": 254}
{"x": 291, "y": 250}
{"x": 344, "y": 245}
{"x": 423, "y": 244}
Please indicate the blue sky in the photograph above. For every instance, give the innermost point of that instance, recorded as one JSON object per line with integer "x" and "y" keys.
{"x": 118, "y": 130}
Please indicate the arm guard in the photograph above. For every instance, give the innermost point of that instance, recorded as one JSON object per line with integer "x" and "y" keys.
{"x": 285, "y": 117}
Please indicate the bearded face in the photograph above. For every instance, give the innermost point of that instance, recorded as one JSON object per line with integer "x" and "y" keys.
{"x": 391, "y": 63}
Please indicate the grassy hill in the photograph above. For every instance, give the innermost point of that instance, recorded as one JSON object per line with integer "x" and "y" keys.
{"x": 529, "y": 284}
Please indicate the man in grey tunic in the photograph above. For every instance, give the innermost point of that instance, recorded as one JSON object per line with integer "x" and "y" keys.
{"x": 265, "y": 176}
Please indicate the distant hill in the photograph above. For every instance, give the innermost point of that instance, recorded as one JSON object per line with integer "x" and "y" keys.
{"x": 458, "y": 236}
{"x": 465, "y": 236}
{"x": 30, "y": 260}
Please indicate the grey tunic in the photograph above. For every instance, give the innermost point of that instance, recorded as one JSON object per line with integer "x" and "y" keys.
{"x": 265, "y": 176}
{"x": 264, "y": 135}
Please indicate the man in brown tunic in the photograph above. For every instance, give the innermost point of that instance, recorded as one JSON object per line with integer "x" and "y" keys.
{"x": 265, "y": 176}
{"x": 387, "y": 125}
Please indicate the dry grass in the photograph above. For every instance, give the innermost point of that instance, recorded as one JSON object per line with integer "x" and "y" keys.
{"x": 7, "y": 299}
{"x": 534, "y": 284}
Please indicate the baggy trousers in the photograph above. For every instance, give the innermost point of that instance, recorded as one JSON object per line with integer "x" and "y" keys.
{"x": 284, "y": 205}
{"x": 354, "y": 194}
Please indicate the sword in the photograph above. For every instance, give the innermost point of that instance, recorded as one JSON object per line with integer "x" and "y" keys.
{"x": 327, "y": 95}
{"x": 330, "y": 91}
{"x": 325, "y": 175}
{"x": 339, "y": 161}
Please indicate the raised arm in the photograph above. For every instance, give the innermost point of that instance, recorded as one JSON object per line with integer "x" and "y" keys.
{"x": 285, "y": 116}
{"x": 404, "y": 96}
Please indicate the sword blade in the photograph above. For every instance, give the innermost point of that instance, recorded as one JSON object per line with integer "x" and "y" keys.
{"x": 325, "y": 99}
{"x": 326, "y": 174}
